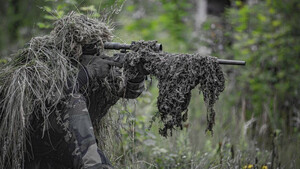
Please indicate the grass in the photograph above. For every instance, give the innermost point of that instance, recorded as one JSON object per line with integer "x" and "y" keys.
{"x": 235, "y": 143}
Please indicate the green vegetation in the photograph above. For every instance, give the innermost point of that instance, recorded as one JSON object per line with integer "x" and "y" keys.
{"x": 258, "y": 114}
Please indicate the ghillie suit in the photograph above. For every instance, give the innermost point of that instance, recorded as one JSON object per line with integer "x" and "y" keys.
{"x": 177, "y": 75}
{"x": 32, "y": 86}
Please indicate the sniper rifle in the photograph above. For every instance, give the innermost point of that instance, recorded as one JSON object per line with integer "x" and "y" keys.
{"x": 158, "y": 47}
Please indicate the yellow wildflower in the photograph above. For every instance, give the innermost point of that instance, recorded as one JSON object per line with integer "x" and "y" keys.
{"x": 249, "y": 166}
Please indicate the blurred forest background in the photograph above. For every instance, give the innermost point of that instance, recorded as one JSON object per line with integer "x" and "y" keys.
{"x": 258, "y": 114}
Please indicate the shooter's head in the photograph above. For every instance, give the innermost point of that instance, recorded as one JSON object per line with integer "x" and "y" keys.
{"x": 76, "y": 34}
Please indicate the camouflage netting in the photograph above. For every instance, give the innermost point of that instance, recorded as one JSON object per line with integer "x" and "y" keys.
{"x": 177, "y": 74}
{"x": 33, "y": 83}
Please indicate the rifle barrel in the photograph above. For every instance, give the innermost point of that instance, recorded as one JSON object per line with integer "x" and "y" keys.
{"x": 231, "y": 62}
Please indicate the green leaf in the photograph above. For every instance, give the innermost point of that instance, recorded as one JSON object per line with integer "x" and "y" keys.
{"x": 271, "y": 10}
{"x": 60, "y": 14}
{"x": 95, "y": 15}
{"x": 206, "y": 26}
{"x": 130, "y": 8}
{"x": 238, "y": 3}
{"x": 47, "y": 9}
{"x": 276, "y": 23}
{"x": 3, "y": 61}
{"x": 89, "y": 8}
{"x": 43, "y": 25}
{"x": 60, "y": 7}
{"x": 261, "y": 17}
{"x": 49, "y": 17}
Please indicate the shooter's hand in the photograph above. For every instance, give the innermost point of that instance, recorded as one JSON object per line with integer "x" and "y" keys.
{"x": 136, "y": 86}
{"x": 142, "y": 70}
{"x": 98, "y": 67}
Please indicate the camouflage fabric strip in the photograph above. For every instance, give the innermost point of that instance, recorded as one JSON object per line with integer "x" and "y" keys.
{"x": 84, "y": 142}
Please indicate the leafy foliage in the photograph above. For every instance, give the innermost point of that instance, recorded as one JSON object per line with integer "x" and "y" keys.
{"x": 266, "y": 36}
